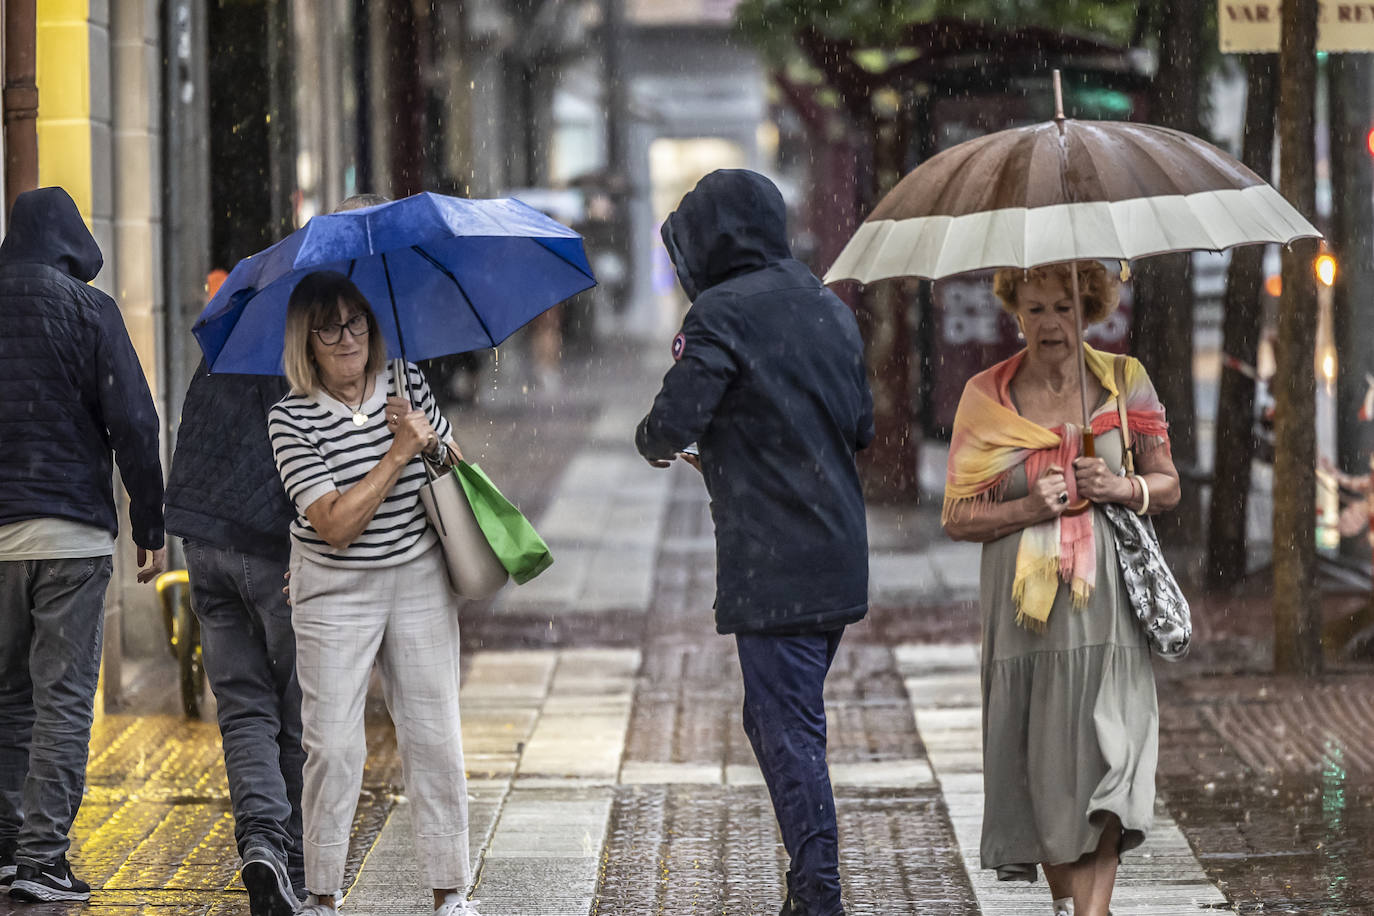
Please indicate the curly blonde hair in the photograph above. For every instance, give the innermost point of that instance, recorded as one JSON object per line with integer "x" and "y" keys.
{"x": 1099, "y": 288}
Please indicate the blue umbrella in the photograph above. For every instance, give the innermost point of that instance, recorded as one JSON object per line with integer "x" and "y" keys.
{"x": 444, "y": 275}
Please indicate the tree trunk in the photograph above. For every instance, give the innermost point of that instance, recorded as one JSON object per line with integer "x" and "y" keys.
{"x": 890, "y": 465}
{"x": 1297, "y": 608}
{"x": 1162, "y": 332}
{"x": 20, "y": 99}
{"x": 1234, "y": 439}
{"x": 1352, "y": 224}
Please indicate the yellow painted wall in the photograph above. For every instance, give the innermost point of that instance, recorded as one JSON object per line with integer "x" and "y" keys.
{"x": 64, "y": 99}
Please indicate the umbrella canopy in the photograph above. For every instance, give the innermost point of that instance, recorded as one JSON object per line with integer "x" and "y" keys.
{"x": 1065, "y": 190}
{"x": 443, "y": 274}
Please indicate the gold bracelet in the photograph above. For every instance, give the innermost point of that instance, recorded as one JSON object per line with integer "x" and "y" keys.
{"x": 1145, "y": 495}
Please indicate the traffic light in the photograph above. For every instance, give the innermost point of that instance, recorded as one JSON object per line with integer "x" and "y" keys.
{"x": 1369, "y": 141}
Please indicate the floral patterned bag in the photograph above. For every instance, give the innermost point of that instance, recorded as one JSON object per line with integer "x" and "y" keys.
{"x": 1151, "y": 588}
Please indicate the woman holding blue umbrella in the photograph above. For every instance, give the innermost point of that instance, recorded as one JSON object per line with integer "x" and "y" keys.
{"x": 368, "y": 584}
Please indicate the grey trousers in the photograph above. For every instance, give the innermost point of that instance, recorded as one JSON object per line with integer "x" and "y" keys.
{"x": 52, "y": 615}
{"x": 405, "y": 619}
{"x": 250, "y": 660}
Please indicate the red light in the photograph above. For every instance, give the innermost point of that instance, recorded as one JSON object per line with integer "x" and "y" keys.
{"x": 1369, "y": 141}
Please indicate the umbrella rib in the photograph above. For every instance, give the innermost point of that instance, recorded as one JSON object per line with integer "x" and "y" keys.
{"x": 454, "y": 280}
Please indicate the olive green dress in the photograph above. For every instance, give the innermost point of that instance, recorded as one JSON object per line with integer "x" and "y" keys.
{"x": 1070, "y": 720}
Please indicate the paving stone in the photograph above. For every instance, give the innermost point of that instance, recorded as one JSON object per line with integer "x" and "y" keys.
{"x": 638, "y": 772}
{"x": 917, "y": 660}
{"x": 900, "y": 774}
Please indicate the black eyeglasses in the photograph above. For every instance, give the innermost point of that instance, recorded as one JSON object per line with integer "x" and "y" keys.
{"x": 331, "y": 334}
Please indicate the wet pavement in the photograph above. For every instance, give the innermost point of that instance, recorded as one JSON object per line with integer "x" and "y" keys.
{"x": 1272, "y": 780}
{"x": 610, "y": 775}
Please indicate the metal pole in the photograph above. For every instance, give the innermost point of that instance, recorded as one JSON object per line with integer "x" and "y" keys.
{"x": 613, "y": 74}
{"x": 1089, "y": 446}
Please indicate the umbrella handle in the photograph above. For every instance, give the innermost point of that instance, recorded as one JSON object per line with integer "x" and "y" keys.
{"x": 1089, "y": 451}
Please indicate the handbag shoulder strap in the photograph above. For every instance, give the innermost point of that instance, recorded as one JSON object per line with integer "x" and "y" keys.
{"x": 1119, "y": 371}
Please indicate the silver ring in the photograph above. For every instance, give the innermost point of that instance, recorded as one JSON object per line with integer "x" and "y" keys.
{"x": 1063, "y": 497}
{"x": 394, "y": 418}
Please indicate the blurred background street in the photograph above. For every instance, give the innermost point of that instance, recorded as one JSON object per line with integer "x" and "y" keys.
{"x": 609, "y": 773}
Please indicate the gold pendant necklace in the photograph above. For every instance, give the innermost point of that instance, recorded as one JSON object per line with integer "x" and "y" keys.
{"x": 359, "y": 418}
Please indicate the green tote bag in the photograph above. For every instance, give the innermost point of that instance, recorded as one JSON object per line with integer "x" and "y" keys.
{"x": 516, "y": 544}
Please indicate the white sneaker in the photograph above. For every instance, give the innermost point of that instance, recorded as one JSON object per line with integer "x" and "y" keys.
{"x": 313, "y": 907}
{"x": 459, "y": 908}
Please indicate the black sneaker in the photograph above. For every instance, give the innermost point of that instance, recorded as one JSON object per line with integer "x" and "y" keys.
{"x": 48, "y": 883}
{"x": 7, "y": 866}
{"x": 269, "y": 888}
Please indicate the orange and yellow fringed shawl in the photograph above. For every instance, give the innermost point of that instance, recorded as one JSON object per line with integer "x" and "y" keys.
{"x": 990, "y": 439}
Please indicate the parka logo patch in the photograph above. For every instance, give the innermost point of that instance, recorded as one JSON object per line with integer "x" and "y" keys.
{"x": 679, "y": 344}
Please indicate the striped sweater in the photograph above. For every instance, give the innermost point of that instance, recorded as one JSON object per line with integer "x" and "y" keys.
{"x": 318, "y": 449}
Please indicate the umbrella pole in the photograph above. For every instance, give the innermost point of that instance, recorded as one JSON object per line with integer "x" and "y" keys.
{"x": 403, "y": 383}
{"x": 1089, "y": 445}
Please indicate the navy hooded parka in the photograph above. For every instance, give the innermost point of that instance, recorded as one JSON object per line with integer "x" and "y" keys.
{"x": 769, "y": 380}
{"x": 71, "y": 387}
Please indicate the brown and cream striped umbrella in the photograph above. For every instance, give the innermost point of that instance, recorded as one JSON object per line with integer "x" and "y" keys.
{"x": 1062, "y": 191}
{"x": 1065, "y": 190}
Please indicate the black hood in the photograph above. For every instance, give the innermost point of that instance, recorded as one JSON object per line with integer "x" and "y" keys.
{"x": 732, "y": 222}
{"x": 46, "y": 228}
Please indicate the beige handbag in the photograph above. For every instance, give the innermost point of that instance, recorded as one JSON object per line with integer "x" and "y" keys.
{"x": 474, "y": 570}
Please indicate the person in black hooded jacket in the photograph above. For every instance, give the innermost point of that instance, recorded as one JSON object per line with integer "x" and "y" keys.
{"x": 226, "y": 501}
{"x": 768, "y": 379}
{"x": 71, "y": 392}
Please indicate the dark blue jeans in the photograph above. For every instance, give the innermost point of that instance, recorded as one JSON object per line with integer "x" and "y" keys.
{"x": 52, "y": 616}
{"x": 250, "y": 660}
{"x": 784, "y": 717}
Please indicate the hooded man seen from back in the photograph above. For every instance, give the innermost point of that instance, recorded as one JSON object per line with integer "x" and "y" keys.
{"x": 768, "y": 379}
{"x": 73, "y": 402}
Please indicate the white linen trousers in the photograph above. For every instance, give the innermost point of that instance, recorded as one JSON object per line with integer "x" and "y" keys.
{"x": 406, "y": 620}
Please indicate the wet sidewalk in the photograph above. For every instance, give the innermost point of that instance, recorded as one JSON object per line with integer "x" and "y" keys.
{"x": 610, "y": 774}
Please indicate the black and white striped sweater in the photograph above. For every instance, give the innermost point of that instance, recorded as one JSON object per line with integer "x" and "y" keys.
{"x": 318, "y": 448}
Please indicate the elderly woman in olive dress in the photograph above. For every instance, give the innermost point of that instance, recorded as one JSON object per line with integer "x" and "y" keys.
{"x": 1070, "y": 720}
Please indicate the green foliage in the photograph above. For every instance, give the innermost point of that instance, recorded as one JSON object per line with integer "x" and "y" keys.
{"x": 769, "y": 23}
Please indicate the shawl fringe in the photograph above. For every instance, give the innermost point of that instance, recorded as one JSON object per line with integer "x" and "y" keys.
{"x": 957, "y": 507}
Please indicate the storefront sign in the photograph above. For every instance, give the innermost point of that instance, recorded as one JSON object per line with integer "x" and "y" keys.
{"x": 1253, "y": 26}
